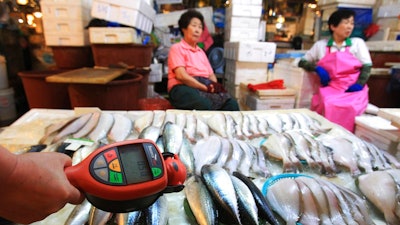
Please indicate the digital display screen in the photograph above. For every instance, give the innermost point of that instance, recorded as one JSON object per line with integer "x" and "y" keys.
{"x": 135, "y": 164}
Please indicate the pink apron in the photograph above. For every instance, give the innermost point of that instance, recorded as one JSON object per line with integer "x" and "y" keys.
{"x": 332, "y": 101}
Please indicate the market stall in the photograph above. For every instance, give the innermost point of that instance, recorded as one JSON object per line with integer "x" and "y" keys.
{"x": 255, "y": 139}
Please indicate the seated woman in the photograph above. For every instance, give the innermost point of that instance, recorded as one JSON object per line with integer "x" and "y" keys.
{"x": 344, "y": 66}
{"x": 192, "y": 83}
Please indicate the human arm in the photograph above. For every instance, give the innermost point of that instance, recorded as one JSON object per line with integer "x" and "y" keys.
{"x": 365, "y": 72}
{"x": 182, "y": 75}
{"x": 321, "y": 72}
{"x": 34, "y": 185}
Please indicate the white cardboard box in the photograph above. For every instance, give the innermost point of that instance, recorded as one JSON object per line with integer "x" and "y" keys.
{"x": 119, "y": 12}
{"x": 378, "y": 131}
{"x": 236, "y": 34}
{"x": 385, "y": 46}
{"x": 242, "y": 22}
{"x": 113, "y": 35}
{"x": 61, "y": 26}
{"x": 247, "y": 72}
{"x": 65, "y": 11}
{"x": 244, "y": 10}
{"x": 392, "y": 10}
{"x": 357, "y": 2}
{"x": 274, "y": 102}
{"x": 72, "y": 39}
{"x": 250, "y": 51}
{"x": 305, "y": 83}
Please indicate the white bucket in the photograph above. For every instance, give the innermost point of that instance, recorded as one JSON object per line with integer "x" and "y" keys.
{"x": 7, "y": 105}
{"x": 3, "y": 73}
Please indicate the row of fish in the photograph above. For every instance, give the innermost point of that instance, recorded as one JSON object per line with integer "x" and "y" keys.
{"x": 85, "y": 213}
{"x": 111, "y": 127}
{"x": 382, "y": 189}
{"x": 299, "y": 148}
{"x": 217, "y": 196}
{"x": 312, "y": 201}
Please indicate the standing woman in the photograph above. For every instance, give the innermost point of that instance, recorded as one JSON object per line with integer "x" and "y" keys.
{"x": 344, "y": 66}
{"x": 192, "y": 83}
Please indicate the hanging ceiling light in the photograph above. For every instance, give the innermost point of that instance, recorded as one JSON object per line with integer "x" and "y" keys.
{"x": 22, "y": 2}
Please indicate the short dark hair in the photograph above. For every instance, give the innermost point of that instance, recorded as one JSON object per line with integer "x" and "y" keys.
{"x": 338, "y": 16}
{"x": 186, "y": 17}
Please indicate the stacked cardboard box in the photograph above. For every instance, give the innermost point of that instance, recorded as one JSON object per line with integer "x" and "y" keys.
{"x": 64, "y": 22}
{"x": 133, "y": 13}
{"x": 246, "y": 57}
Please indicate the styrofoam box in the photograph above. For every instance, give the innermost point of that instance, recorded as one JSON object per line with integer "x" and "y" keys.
{"x": 389, "y": 10}
{"x": 386, "y": 46}
{"x": 235, "y": 34}
{"x": 378, "y": 131}
{"x": 123, "y": 15}
{"x": 389, "y": 2}
{"x": 155, "y": 73}
{"x": 138, "y": 5}
{"x": 65, "y": 11}
{"x": 73, "y": 39}
{"x": 250, "y": 51}
{"x": 358, "y": 2}
{"x": 113, "y": 35}
{"x": 275, "y": 102}
{"x": 84, "y": 3}
{"x": 61, "y": 26}
{"x": 305, "y": 83}
{"x": 244, "y": 10}
{"x": 390, "y": 22}
{"x": 242, "y": 22}
{"x": 247, "y": 72}
{"x": 246, "y": 2}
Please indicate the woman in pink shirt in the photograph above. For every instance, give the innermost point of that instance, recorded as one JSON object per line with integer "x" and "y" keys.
{"x": 192, "y": 83}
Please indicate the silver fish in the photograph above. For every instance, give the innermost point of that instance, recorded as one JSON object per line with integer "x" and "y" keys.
{"x": 89, "y": 126}
{"x": 190, "y": 127}
{"x": 157, "y": 213}
{"x": 284, "y": 198}
{"x": 319, "y": 197}
{"x": 234, "y": 160}
{"x": 98, "y": 216}
{"x": 202, "y": 129}
{"x": 143, "y": 121}
{"x": 172, "y": 137}
{"x": 121, "y": 128}
{"x": 186, "y": 156}
{"x": 230, "y": 126}
{"x": 217, "y": 123}
{"x": 309, "y": 214}
{"x": 133, "y": 218}
{"x": 80, "y": 214}
{"x": 73, "y": 127}
{"x": 103, "y": 127}
{"x": 247, "y": 206}
{"x": 226, "y": 151}
{"x": 206, "y": 151}
{"x": 158, "y": 118}
{"x": 264, "y": 210}
{"x": 221, "y": 188}
{"x": 344, "y": 204}
{"x": 200, "y": 202}
{"x": 301, "y": 147}
{"x": 151, "y": 132}
{"x": 247, "y": 157}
